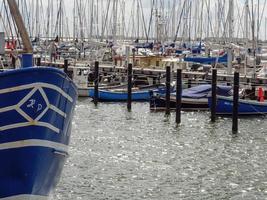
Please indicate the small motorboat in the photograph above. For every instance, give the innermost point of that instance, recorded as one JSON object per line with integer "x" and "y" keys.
{"x": 138, "y": 94}
{"x": 195, "y": 98}
{"x": 247, "y": 105}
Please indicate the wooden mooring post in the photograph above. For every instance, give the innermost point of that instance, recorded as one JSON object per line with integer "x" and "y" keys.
{"x": 96, "y": 82}
{"x": 168, "y": 89}
{"x": 38, "y": 63}
{"x": 178, "y": 95}
{"x": 66, "y": 65}
{"x": 213, "y": 95}
{"x": 189, "y": 83}
{"x": 235, "y": 104}
{"x": 129, "y": 92}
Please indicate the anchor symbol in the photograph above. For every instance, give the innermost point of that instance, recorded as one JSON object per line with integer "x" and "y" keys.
{"x": 31, "y": 104}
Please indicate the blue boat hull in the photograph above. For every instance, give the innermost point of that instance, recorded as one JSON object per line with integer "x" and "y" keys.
{"x": 245, "y": 107}
{"x": 207, "y": 60}
{"x": 36, "y": 111}
{"x": 142, "y": 95}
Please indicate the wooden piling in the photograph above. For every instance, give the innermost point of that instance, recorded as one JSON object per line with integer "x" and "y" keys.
{"x": 168, "y": 89}
{"x": 96, "y": 82}
{"x": 66, "y": 65}
{"x": 38, "y": 63}
{"x": 129, "y": 95}
{"x": 178, "y": 95}
{"x": 235, "y": 103}
{"x": 213, "y": 95}
{"x": 13, "y": 62}
{"x": 189, "y": 83}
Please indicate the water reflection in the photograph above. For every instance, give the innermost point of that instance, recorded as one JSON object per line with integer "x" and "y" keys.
{"x": 116, "y": 154}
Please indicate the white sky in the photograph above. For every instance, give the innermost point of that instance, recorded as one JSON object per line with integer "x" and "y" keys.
{"x": 131, "y": 22}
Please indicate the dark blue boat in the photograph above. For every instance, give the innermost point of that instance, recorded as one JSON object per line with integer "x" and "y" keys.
{"x": 245, "y": 107}
{"x": 148, "y": 45}
{"x": 207, "y": 60}
{"x": 36, "y": 111}
{"x": 195, "y": 98}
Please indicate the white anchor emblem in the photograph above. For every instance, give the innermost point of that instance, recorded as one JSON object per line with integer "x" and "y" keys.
{"x": 32, "y": 103}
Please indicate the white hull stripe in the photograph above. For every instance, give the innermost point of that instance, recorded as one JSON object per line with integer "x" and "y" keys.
{"x": 26, "y": 197}
{"x": 37, "y": 121}
{"x": 38, "y": 84}
{"x": 33, "y": 123}
{"x": 54, "y": 108}
{"x": 34, "y": 143}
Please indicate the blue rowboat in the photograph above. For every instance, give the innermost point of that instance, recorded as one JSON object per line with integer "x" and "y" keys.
{"x": 245, "y": 107}
{"x": 122, "y": 95}
{"x": 36, "y": 110}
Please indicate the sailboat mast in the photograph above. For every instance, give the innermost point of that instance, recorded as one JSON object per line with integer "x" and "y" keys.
{"x": 91, "y": 18}
{"x": 138, "y": 18}
{"x": 253, "y": 39}
{"x": 115, "y": 10}
{"x": 246, "y": 20}
{"x": 231, "y": 20}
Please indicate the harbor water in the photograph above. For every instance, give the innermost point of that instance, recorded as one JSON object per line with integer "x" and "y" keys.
{"x": 119, "y": 155}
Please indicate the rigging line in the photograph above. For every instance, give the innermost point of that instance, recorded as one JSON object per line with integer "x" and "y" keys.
{"x": 128, "y": 27}
{"x": 88, "y": 27}
{"x": 133, "y": 18}
{"x": 201, "y": 20}
{"x": 180, "y": 19}
{"x": 262, "y": 14}
{"x": 8, "y": 20}
{"x": 27, "y": 14}
{"x": 65, "y": 16}
{"x": 48, "y": 19}
{"x": 85, "y": 25}
{"x": 209, "y": 20}
{"x": 16, "y": 30}
{"x": 57, "y": 22}
{"x": 42, "y": 16}
{"x": 224, "y": 25}
{"x": 190, "y": 20}
{"x": 105, "y": 22}
{"x": 222, "y": 16}
{"x": 239, "y": 24}
{"x": 89, "y": 19}
{"x": 1, "y": 17}
{"x": 144, "y": 23}
{"x": 150, "y": 20}
{"x": 80, "y": 19}
{"x": 168, "y": 19}
{"x": 123, "y": 18}
{"x": 97, "y": 19}
{"x": 185, "y": 25}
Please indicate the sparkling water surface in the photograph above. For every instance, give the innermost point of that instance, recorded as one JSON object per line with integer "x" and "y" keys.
{"x": 119, "y": 155}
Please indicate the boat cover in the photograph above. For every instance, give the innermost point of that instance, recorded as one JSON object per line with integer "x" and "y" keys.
{"x": 202, "y": 91}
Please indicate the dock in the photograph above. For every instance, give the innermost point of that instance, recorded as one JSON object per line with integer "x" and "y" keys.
{"x": 156, "y": 73}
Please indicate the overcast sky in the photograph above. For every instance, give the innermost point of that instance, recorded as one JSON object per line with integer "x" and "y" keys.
{"x": 131, "y": 13}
